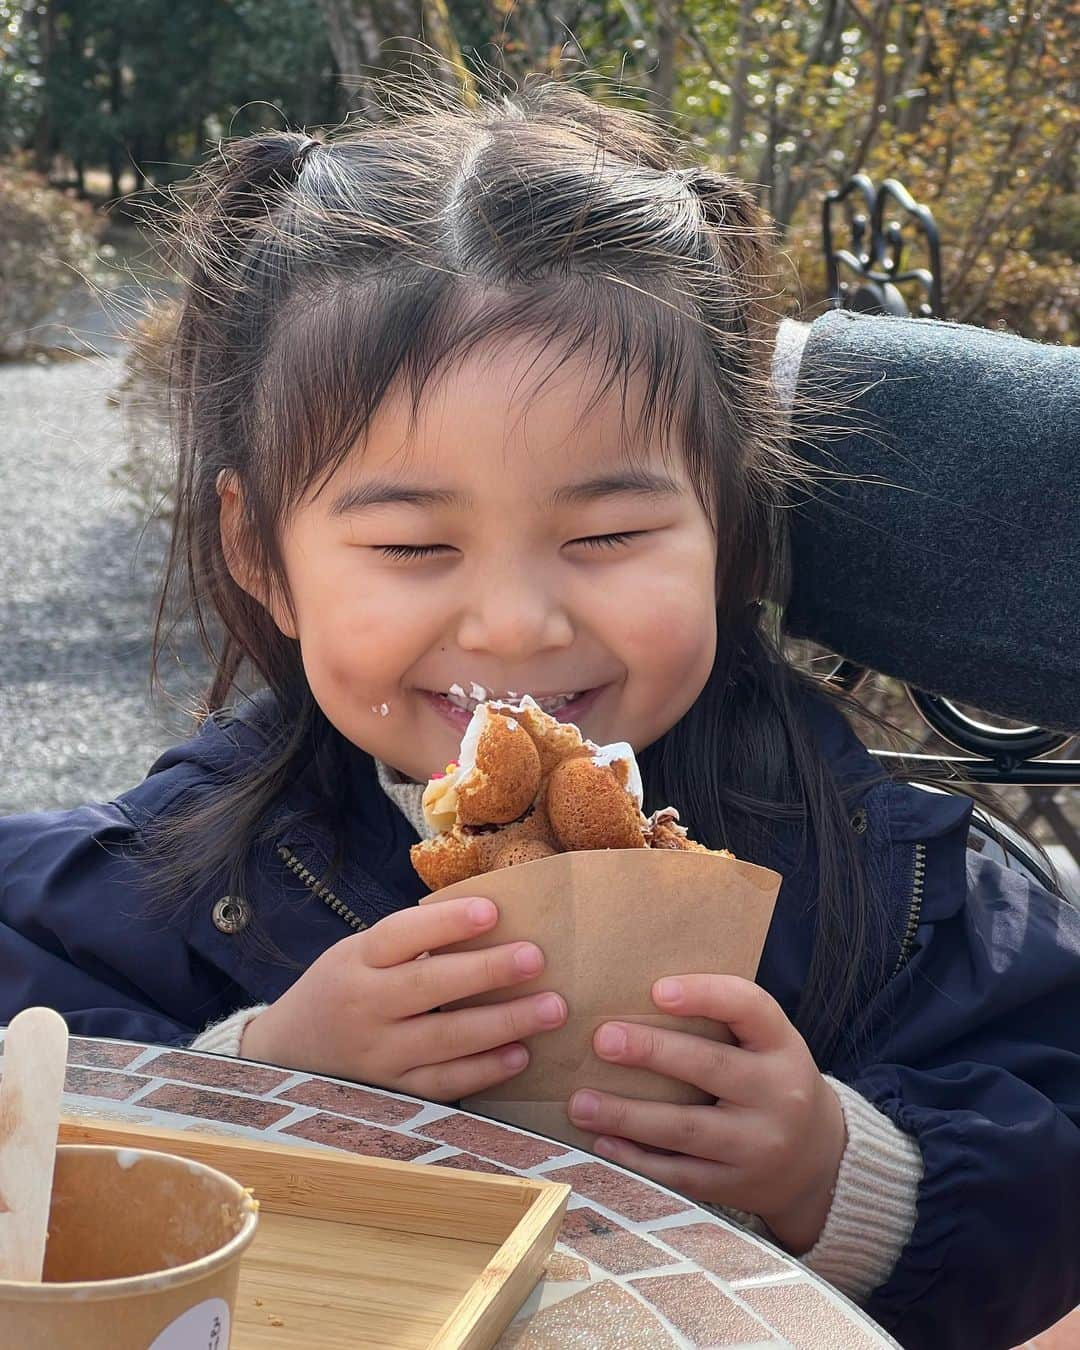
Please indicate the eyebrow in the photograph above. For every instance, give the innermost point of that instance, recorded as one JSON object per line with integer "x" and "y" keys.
{"x": 383, "y": 492}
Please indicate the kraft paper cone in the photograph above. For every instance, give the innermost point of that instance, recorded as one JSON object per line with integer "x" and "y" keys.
{"x": 143, "y": 1253}
{"x": 610, "y": 923}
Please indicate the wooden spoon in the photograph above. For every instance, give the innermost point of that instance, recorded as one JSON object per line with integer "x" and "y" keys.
{"x": 35, "y": 1057}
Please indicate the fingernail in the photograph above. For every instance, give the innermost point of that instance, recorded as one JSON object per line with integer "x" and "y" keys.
{"x": 584, "y": 1106}
{"x": 550, "y": 1009}
{"x": 607, "y": 1148}
{"x": 515, "y": 1058}
{"x": 529, "y": 960}
{"x": 669, "y": 991}
{"x": 611, "y": 1039}
{"x": 481, "y": 912}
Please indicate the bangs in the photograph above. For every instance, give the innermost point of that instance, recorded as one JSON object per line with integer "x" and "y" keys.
{"x": 341, "y": 351}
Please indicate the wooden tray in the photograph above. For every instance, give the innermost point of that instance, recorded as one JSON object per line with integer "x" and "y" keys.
{"x": 354, "y": 1251}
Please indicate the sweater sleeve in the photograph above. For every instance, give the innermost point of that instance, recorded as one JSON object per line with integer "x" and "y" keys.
{"x": 873, "y": 1207}
{"x": 225, "y": 1037}
{"x": 791, "y": 339}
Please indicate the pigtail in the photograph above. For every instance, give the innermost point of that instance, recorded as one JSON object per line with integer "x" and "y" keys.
{"x": 222, "y": 215}
{"x": 737, "y": 257}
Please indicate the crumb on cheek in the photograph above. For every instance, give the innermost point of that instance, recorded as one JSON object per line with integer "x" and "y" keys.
{"x": 383, "y": 709}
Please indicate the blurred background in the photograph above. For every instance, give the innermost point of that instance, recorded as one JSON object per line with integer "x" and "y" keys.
{"x": 104, "y": 104}
{"x": 973, "y": 105}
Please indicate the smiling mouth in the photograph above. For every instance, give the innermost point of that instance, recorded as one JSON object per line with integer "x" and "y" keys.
{"x": 549, "y": 703}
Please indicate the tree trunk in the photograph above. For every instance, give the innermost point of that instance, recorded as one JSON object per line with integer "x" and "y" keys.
{"x": 663, "y": 79}
{"x": 920, "y": 67}
{"x": 765, "y": 178}
{"x": 43, "y": 131}
{"x": 739, "y": 91}
{"x": 138, "y": 155}
{"x": 877, "y": 31}
{"x": 116, "y": 101}
{"x": 439, "y": 27}
{"x": 374, "y": 38}
{"x": 354, "y": 42}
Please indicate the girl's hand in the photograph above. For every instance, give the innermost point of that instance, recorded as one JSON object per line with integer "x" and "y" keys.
{"x": 364, "y": 1009}
{"x": 772, "y": 1143}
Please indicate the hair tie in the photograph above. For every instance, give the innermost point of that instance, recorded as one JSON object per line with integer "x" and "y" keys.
{"x": 298, "y": 159}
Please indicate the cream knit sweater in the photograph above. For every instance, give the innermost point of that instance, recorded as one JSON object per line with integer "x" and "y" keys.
{"x": 873, "y": 1206}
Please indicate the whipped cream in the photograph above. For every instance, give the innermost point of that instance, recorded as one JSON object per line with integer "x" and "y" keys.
{"x": 439, "y": 801}
{"x": 622, "y": 750}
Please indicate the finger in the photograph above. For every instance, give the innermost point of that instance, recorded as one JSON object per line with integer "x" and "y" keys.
{"x": 418, "y": 986}
{"x": 459, "y": 1078}
{"x": 442, "y": 1036}
{"x": 695, "y": 1177}
{"x": 702, "y": 1131}
{"x": 756, "y": 1019}
{"x": 720, "y": 1069}
{"x": 408, "y": 933}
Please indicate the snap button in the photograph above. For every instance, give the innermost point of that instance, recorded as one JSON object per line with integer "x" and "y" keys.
{"x": 231, "y": 914}
{"x": 859, "y": 822}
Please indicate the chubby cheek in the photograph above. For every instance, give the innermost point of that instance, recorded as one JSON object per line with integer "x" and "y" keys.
{"x": 675, "y": 654}
{"x": 347, "y": 674}
{"x": 666, "y": 636}
{"x": 354, "y": 655}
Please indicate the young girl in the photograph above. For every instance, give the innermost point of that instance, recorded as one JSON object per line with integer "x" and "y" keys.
{"x": 483, "y": 397}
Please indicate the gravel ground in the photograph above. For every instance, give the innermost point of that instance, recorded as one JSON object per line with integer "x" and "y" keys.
{"x": 77, "y": 587}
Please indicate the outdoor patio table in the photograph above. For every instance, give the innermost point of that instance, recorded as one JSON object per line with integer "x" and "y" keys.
{"x": 635, "y": 1266}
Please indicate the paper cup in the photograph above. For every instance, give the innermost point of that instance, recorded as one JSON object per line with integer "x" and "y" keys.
{"x": 610, "y": 923}
{"x": 143, "y": 1253}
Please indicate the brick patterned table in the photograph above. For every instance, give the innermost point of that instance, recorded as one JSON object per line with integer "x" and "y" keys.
{"x": 636, "y": 1267}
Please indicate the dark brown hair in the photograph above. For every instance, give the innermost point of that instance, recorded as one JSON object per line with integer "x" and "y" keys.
{"x": 321, "y": 274}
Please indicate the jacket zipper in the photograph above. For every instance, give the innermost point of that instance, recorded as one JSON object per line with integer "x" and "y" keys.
{"x": 917, "y": 886}
{"x": 324, "y": 893}
{"x": 342, "y": 910}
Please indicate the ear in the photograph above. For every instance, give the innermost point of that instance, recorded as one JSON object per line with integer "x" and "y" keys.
{"x": 236, "y": 550}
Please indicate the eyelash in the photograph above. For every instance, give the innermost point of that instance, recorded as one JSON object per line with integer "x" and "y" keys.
{"x": 409, "y": 553}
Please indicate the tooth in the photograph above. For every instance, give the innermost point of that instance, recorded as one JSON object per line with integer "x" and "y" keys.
{"x": 556, "y": 702}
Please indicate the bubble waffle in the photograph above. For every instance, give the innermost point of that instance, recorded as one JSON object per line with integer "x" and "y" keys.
{"x": 526, "y": 786}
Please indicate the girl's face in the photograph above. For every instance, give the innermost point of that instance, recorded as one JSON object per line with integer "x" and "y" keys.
{"x": 506, "y": 541}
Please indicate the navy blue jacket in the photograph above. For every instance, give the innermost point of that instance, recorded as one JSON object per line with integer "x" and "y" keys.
{"x": 974, "y": 1031}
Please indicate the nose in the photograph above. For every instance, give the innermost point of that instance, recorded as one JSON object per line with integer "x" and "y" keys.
{"x": 513, "y": 614}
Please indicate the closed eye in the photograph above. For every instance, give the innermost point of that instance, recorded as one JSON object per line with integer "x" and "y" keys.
{"x": 405, "y": 552}
{"x": 413, "y": 553}
{"x": 609, "y": 540}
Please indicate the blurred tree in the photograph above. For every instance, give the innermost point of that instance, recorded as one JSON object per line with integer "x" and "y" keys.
{"x": 145, "y": 83}
{"x": 377, "y": 38}
{"x": 975, "y": 104}
{"x": 20, "y": 75}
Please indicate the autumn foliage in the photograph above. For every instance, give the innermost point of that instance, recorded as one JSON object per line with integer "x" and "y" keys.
{"x": 973, "y": 104}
